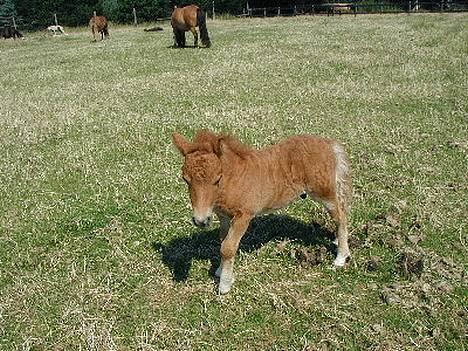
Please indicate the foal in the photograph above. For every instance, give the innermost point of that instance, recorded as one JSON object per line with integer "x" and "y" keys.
{"x": 237, "y": 183}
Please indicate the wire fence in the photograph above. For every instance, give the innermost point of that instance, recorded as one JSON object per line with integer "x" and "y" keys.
{"x": 410, "y": 6}
{"x": 19, "y": 22}
{"x": 328, "y": 8}
{"x": 11, "y": 21}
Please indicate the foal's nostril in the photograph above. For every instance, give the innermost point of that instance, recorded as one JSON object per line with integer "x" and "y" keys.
{"x": 202, "y": 223}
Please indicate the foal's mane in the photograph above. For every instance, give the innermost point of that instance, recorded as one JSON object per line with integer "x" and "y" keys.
{"x": 211, "y": 142}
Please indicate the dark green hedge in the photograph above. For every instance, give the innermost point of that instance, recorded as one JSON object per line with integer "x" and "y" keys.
{"x": 40, "y": 13}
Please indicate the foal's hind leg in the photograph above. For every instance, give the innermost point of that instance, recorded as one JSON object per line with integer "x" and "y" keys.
{"x": 195, "y": 36}
{"x": 341, "y": 219}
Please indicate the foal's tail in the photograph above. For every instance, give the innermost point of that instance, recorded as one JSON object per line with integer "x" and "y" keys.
{"x": 343, "y": 178}
{"x": 201, "y": 20}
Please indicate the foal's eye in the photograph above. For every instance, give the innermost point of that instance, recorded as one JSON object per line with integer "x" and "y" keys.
{"x": 186, "y": 179}
{"x": 217, "y": 182}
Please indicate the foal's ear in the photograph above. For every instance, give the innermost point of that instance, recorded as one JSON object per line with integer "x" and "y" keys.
{"x": 222, "y": 147}
{"x": 182, "y": 144}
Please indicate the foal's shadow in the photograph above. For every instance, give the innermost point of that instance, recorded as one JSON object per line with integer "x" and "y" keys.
{"x": 179, "y": 253}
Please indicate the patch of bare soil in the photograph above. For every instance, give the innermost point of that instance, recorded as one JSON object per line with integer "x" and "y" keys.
{"x": 425, "y": 278}
{"x": 310, "y": 257}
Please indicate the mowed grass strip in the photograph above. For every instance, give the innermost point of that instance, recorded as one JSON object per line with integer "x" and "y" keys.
{"x": 97, "y": 250}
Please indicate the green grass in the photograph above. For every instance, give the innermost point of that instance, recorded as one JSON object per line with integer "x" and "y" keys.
{"x": 97, "y": 251}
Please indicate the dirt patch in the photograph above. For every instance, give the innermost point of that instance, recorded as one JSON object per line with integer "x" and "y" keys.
{"x": 425, "y": 279}
{"x": 373, "y": 264}
{"x": 310, "y": 257}
{"x": 410, "y": 264}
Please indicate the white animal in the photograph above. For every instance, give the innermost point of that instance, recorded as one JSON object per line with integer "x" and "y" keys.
{"x": 55, "y": 29}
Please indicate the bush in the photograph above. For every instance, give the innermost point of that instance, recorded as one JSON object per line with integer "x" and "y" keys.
{"x": 147, "y": 10}
{"x": 7, "y": 8}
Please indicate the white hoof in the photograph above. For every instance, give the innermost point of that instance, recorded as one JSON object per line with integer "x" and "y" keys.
{"x": 224, "y": 288}
{"x": 340, "y": 260}
{"x": 225, "y": 284}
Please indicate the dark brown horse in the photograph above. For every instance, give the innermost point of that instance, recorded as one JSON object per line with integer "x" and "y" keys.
{"x": 187, "y": 19}
{"x": 98, "y": 24}
{"x": 10, "y": 32}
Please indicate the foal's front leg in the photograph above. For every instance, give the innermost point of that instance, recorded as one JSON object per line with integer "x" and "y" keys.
{"x": 225, "y": 223}
{"x": 229, "y": 248}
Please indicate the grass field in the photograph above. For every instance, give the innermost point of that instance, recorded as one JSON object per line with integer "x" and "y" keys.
{"x": 97, "y": 251}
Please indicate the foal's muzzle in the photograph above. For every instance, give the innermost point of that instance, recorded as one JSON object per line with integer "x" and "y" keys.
{"x": 201, "y": 222}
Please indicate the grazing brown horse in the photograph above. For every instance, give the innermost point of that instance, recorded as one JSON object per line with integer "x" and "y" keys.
{"x": 187, "y": 19}
{"x": 98, "y": 24}
{"x": 237, "y": 183}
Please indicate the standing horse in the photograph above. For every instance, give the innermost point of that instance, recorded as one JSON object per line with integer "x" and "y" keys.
{"x": 238, "y": 183}
{"x": 98, "y": 24}
{"x": 187, "y": 19}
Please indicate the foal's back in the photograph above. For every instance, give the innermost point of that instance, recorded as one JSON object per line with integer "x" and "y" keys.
{"x": 272, "y": 177}
{"x": 308, "y": 161}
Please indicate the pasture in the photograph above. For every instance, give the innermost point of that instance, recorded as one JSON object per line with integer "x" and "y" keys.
{"x": 97, "y": 249}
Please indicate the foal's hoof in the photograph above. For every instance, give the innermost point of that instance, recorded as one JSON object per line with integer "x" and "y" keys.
{"x": 340, "y": 260}
{"x": 225, "y": 285}
{"x": 224, "y": 289}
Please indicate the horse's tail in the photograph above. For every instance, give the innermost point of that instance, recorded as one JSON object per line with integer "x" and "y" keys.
{"x": 343, "y": 178}
{"x": 201, "y": 20}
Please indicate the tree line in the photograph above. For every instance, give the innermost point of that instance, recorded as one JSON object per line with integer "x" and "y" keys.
{"x": 36, "y": 14}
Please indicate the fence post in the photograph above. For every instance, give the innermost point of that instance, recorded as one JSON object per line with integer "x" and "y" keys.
{"x": 55, "y": 19}
{"x": 214, "y": 16}
{"x": 14, "y": 22}
{"x": 295, "y": 10}
{"x": 264, "y": 12}
{"x": 279, "y": 11}
{"x": 94, "y": 14}
{"x": 409, "y": 6}
{"x": 135, "y": 21}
